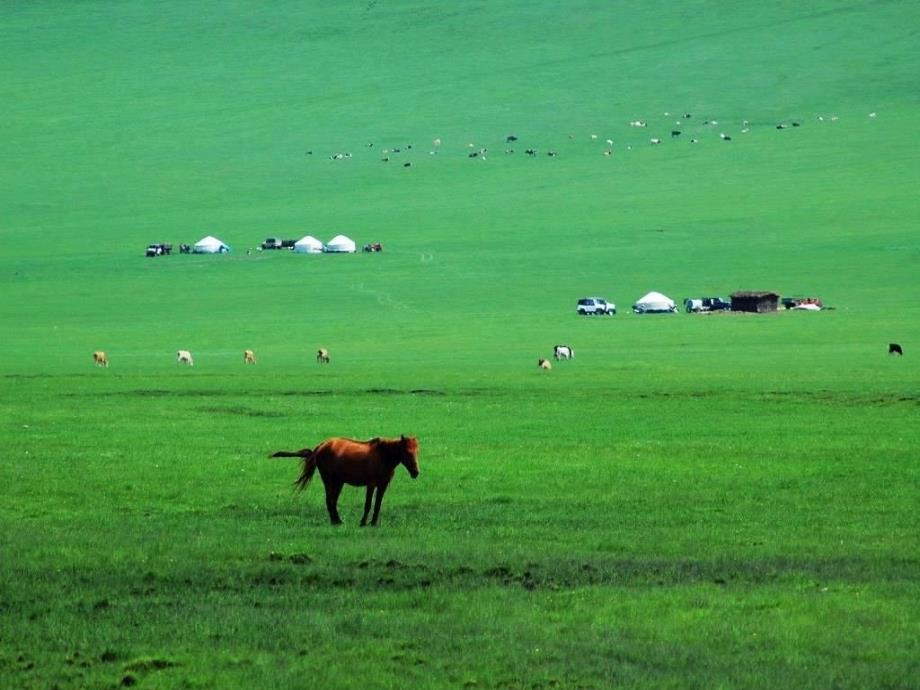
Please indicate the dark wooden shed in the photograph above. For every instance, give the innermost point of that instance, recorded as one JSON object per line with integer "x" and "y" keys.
{"x": 758, "y": 302}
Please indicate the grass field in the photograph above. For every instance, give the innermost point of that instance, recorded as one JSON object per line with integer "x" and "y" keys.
{"x": 711, "y": 501}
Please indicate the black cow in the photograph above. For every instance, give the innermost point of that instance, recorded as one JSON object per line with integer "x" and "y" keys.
{"x": 510, "y": 138}
{"x": 675, "y": 132}
{"x": 895, "y": 349}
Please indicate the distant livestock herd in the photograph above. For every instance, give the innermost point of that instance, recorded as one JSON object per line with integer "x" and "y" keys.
{"x": 676, "y": 128}
{"x": 560, "y": 352}
{"x": 101, "y": 359}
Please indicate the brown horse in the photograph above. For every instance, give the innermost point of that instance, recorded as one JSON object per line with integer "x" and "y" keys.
{"x": 359, "y": 463}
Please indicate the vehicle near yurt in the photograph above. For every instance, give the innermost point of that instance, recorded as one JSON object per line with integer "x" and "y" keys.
{"x": 704, "y": 304}
{"x": 590, "y": 306}
{"x": 276, "y": 243}
{"x": 654, "y": 303}
{"x": 340, "y": 244}
{"x": 160, "y": 249}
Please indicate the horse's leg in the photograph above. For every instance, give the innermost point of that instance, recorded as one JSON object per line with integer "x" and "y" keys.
{"x": 333, "y": 489}
{"x": 367, "y": 503}
{"x": 380, "y": 491}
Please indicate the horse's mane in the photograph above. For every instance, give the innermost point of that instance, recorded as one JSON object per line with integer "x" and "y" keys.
{"x": 393, "y": 449}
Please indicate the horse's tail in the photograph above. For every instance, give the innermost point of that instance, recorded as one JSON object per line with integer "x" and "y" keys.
{"x": 309, "y": 464}
{"x": 309, "y": 467}
{"x": 302, "y": 453}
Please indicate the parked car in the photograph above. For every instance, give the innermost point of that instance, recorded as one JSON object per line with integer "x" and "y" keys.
{"x": 700, "y": 304}
{"x": 162, "y": 249}
{"x": 793, "y": 302}
{"x": 595, "y": 306}
{"x": 275, "y": 243}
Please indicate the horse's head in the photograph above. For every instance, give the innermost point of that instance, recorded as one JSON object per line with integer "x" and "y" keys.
{"x": 408, "y": 446}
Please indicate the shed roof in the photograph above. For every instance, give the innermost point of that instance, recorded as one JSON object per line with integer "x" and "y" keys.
{"x": 753, "y": 295}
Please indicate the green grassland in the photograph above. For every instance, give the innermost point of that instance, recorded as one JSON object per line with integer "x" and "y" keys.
{"x": 712, "y": 501}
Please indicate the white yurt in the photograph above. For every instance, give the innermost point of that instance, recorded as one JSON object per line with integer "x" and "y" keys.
{"x": 210, "y": 245}
{"x": 341, "y": 244}
{"x": 654, "y": 303}
{"x": 308, "y": 245}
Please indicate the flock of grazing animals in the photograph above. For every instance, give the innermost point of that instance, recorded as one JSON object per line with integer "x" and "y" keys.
{"x": 560, "y": 352}
{"x": 101, "y": 359}
{"x": 676, "y": 128}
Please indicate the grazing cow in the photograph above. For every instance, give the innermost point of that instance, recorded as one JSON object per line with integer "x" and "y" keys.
{"x": 322, "y": 356}
{"x": 510, "y": 139}
{"x": 436, "y": 142}
{"x": 687, "y": 116}
{"x": 609, "y": 142}
{"x": 725, "y": 137}
{"x": 895, "y": 349}
{"x": 544, "y": 364}
{"x": 563, "y": 352}
{"x": 638, "y": 123}
{"x": 184, "y": 357}
{"x": 473, "y": 154}
{"x": 551, "y": 154}
{"x": 608, "y": 152}
{"x": 654, "y": 141}
{"x": 100, "y": 359}
{"x": 407, "y": 165}
{"x": 531, "y": 152}
{"x": 343, "y": 461}
{"x": 249, "y": 357}
{"x": 780, "y": 126}
{"x": 675, "y": 132}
